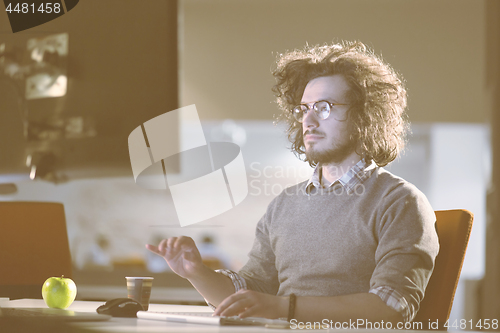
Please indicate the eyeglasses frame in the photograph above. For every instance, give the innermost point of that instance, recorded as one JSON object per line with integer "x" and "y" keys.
{"x": 316, "y": 111}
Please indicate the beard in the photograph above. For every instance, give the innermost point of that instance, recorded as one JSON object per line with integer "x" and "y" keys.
{"x": 335, "y": 154}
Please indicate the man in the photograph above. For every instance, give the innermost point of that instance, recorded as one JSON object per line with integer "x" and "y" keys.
{"x": 353, "y": 242}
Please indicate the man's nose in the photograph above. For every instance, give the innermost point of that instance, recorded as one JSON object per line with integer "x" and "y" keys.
{"x": 310, "y": 119}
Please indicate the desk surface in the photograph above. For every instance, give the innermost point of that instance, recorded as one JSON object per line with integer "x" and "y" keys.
{"x": 140, "y": 325}
{"x": 143, "y": 325}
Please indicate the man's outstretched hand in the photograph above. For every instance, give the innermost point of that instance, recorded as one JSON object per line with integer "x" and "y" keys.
{"x": 181, "y": 255}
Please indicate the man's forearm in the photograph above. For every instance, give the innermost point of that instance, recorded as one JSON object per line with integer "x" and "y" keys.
{"x": 214, "y": 287}
{"x": 342, "y": 308}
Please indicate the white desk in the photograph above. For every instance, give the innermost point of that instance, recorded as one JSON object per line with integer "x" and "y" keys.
{"x": 152, "y": 326}
{"x": 142, "y": 325}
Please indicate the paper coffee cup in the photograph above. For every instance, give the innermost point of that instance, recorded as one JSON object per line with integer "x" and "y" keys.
{"x": 139, "y": 289}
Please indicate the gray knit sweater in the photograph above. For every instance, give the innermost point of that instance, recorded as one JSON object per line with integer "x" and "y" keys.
{"x": 333, "y": 243}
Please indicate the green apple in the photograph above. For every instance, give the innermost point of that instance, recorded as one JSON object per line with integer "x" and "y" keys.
{"x": 59, "y": 292}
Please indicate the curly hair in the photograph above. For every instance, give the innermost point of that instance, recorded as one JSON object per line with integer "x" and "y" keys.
{"x": 377, "y": 95}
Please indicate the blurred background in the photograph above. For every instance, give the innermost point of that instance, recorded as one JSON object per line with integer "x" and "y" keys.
{"x": 66, "y": 113}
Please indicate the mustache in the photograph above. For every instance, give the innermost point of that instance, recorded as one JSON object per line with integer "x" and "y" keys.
{"x": 314, "y": 132}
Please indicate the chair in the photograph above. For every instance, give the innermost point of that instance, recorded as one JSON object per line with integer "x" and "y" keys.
{"x": 33, "y": 247}
{"x": 453, "y": 229}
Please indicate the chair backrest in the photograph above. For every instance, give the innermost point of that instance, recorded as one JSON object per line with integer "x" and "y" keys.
{"x": 453, "y": 229}
{"x": 33, "y": 247}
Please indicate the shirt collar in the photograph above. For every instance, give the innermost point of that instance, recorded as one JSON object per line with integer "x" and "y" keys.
{"x": 354, "y": 176}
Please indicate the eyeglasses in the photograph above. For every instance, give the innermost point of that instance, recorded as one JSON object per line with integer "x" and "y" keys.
{"x": 323, "y": 109}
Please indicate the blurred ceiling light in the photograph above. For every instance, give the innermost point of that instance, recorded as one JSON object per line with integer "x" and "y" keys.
{"x": 47, "y": 76}
{"x": 45, "y": 85}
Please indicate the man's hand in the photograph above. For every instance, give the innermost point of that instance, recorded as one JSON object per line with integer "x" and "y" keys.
{"x": 248, "y": 303}
{"x": 181, "y": 255}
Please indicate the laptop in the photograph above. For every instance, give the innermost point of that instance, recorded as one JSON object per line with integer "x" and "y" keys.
{"x": 206, "y": 318}
{"x": 59, "y": 315}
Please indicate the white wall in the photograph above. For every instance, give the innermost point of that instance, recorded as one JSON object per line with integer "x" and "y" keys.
{"x": 228, "y": 49}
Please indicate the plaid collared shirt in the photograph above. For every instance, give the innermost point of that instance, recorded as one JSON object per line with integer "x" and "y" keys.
{"x": 349, "y": 180}
{"x": 354, "y": 176}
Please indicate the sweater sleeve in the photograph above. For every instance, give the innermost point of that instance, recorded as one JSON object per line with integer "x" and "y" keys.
{"x": 407, "y": 246}
{"x": 260, "y": 271}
